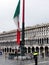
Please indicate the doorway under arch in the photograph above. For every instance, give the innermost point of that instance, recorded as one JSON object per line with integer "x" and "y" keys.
{"x": 46, "y": 50}
{"x": 25, "y": 50}
{"x": 33, "y": 49}
{"x": 10, "y": 49}
{"x": 29, "y": 50}
{"x": 5, "y": 49}
{"x": 37, "y": 49}
{"x": 41, "y": 49}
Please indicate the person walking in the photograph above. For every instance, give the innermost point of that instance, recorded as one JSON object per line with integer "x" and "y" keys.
{"x": 35, "y": 54}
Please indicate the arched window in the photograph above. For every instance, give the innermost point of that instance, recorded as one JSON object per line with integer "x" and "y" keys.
{"x": 38, "y": 41}
{"x": 47, "y": 40}
{"x": 42, "y": 40}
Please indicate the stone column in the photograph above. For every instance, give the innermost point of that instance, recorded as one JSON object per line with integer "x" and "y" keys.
{"x": 39, "y": 52}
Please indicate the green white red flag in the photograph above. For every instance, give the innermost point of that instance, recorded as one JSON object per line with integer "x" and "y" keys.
{"x": 16, "y": 20}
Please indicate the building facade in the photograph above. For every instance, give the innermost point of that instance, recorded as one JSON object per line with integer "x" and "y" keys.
{"x": 36, "y": 38}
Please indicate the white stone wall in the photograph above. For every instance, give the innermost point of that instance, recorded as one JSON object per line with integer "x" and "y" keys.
{"x": 33, "y": 34}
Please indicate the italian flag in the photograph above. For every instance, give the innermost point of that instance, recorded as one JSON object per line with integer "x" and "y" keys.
{"x": 16, "y": 20}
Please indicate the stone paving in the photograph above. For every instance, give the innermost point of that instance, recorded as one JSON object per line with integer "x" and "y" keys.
{"x": 6, "y": 61}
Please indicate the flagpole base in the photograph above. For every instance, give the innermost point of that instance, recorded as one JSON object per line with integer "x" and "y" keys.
{"x": 22, "y": 50}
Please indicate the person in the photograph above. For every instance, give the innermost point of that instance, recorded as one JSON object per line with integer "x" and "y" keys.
{"x": 35, "y": 54}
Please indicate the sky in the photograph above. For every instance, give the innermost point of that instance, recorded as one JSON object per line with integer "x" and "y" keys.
{"x": 36, "y": 12}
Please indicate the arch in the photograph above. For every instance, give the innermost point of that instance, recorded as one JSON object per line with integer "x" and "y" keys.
{"x": 16, "y": 51}
{"x": 46, "y": 50}
{"x": 29, "y": 49}
{"x": 41, "y": 49}
{"x": 5, "y": 49}
{"x": 10, "y": 49}
{"x": 40, "y": 40}
{"x": 37, "y": 49}
{"x": 47, "y": 40}
{"x": 46, "y": 47}
{"x": 25, "y": 49}
{"x": 33, "y": 49}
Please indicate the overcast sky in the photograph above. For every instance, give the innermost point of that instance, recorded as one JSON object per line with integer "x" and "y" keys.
{"x": 36, "y": 12}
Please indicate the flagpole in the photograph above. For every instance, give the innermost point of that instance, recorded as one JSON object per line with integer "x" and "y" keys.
{"x": 23, "y": 33}
{"x": 23, "y": 22}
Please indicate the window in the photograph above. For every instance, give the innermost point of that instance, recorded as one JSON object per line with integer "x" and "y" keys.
{"x": 42, "y": 40}
{"x": 47, "y": 40}
{"x": 38, "y": 41}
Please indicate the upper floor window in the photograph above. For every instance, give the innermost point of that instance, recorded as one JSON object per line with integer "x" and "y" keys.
{"x": 47, "y": 40}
